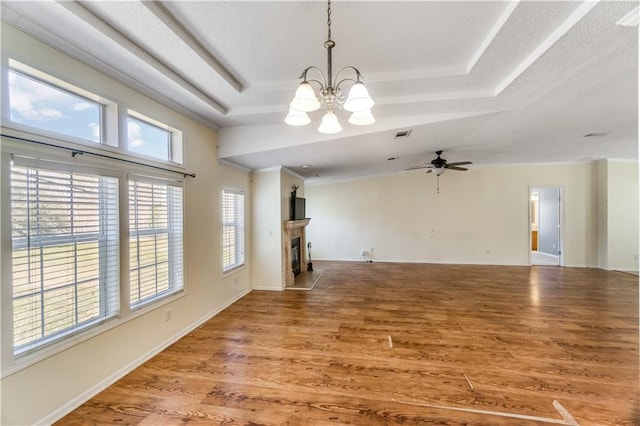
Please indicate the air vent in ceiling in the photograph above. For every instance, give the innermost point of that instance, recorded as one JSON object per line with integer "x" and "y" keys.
{"x": 402, "y": 134}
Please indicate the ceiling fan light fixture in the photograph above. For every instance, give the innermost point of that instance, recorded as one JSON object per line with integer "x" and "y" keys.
{"x": 305, "y": 99}
{"x": 297, "y": 118}
{"x": 439, "y": 171}
{"x": 330, "y": 123}
{"x": 359, "y": 99}
{"x": 362, "y": 118}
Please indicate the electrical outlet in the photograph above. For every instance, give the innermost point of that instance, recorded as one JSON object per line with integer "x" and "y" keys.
{"x": 168, "y": 316}
{"x": 635, "y": 256}
{"x": 363, "y": 252}
{"x": 371, "y": 250}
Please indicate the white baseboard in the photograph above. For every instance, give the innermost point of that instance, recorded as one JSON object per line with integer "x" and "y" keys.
{"x": 629, "y": 269}
{"x": 265, "y": 288}
{"x": 102, "y": 385}
{"x": 461, "y": 262}
{"x": 435, "y": 262}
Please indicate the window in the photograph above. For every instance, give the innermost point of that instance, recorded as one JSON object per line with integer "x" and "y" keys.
{"x": 233, "y": 229}
{"x": 147, "y": 139}
{"x": 64, "y": 233}
{"x": 35, "y": 103}
{"x": 155, "y": 245}
{"x": 153, "y": 139}
{"x": 90, "y": 243}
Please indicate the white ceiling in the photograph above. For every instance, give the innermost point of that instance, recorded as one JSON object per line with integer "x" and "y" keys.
{"x": 489, "y": 82}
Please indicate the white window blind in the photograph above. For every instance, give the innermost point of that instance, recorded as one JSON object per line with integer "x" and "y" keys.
{"x": 65, "y": 239}
{"x": 155, "y": 245}
{"x": 233, "y": 229}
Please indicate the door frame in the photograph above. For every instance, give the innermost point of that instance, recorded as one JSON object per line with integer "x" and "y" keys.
{"x": 561, "y": 220}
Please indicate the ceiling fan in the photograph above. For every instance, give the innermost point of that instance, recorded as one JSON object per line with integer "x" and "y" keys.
{"x": 439, "y": 164}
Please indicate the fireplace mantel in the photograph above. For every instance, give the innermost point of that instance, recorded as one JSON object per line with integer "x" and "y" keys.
{"x": 294, "y": 224}
{"x": 294, "y": 229}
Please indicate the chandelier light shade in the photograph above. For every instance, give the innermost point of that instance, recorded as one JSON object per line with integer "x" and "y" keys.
{"x": 362, "y": 118}
{"x": 305, "y": 99}
{"x": 359, "y": 99}
{"x": 330, "y": 123}
{"x": 297, "y": 118}
{"x": 329, "y": 94}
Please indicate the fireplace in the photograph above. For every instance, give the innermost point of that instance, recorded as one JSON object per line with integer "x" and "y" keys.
{"x": 294, "y": 252}
{"x": 295, "y": 256}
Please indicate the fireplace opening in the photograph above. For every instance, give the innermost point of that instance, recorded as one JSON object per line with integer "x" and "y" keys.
{"x": 295, "y": 256}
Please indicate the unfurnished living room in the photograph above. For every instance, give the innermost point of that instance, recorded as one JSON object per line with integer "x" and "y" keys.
{"x": 319, "y": 212}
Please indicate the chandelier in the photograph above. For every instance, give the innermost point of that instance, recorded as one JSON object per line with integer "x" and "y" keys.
{"x": 358, "y": 102}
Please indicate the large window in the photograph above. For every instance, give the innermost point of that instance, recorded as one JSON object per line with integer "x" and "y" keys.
{"x": 155, "y": 242}
{"x": 233, "y": 229}
{"x": 91, "y": 239}
{"x": 64, "y": 232}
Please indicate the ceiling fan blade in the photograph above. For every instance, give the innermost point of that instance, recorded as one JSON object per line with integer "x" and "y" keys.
{"x": 429, "y": 171}
{"x": 420, "y": 167}
{"x": 459, "y": 163}
{"x": 462, "y": 169}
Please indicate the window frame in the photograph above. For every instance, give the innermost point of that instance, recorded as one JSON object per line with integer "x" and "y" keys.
{"x": 239, "y": 231}
{"x": 175, "y": 243}
{"x": 108, "y": 109}
{"x": 174, "y": 142}
{"x": 111, "y": 310}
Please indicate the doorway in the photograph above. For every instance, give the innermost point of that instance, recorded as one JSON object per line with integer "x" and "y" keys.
{"x": 545, "y": 225}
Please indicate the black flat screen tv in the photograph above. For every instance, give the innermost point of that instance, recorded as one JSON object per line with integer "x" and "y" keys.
{"x": 298, "y": 208}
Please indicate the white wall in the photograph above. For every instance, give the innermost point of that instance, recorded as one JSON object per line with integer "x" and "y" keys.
{"x": 271, "y": 192}
{"x": 53, "y": 386}
{"x": 622, "y": 216}
{"x": 266, "y": 216}
{"x": 601, "y": 188}
{"x": 479, "y": 216}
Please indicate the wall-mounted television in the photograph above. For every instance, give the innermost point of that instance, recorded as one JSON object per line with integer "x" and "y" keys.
{"x": 297, "y": 208}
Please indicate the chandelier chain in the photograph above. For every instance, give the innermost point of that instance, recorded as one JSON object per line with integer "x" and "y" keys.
{"x": 329, "y": 19}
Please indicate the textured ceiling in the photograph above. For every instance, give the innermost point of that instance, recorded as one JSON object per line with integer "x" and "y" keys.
{"x": 490, "y": 82}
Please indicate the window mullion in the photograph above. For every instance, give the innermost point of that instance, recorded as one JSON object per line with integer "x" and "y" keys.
{"x": 41, "y": 254}
{"x": 75, "y": 248}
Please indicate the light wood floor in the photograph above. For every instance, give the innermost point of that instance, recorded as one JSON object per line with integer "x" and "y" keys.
{"x": 401, "y": 343}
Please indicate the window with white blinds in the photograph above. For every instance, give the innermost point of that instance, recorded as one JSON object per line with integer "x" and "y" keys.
{"x": 65, "y": 244}
{"x": 232, "y": 229}
{"x": 155, "y": 240}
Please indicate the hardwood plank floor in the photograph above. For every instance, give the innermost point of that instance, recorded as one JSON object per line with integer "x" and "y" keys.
{"x": 401, "y": 343}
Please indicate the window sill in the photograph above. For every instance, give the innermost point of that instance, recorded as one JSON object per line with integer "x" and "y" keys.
{"x": 231, "y": 271}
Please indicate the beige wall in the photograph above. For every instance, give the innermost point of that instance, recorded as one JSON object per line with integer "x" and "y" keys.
{"x": 479, "y": 216}
{"x": 51, "y": 387}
